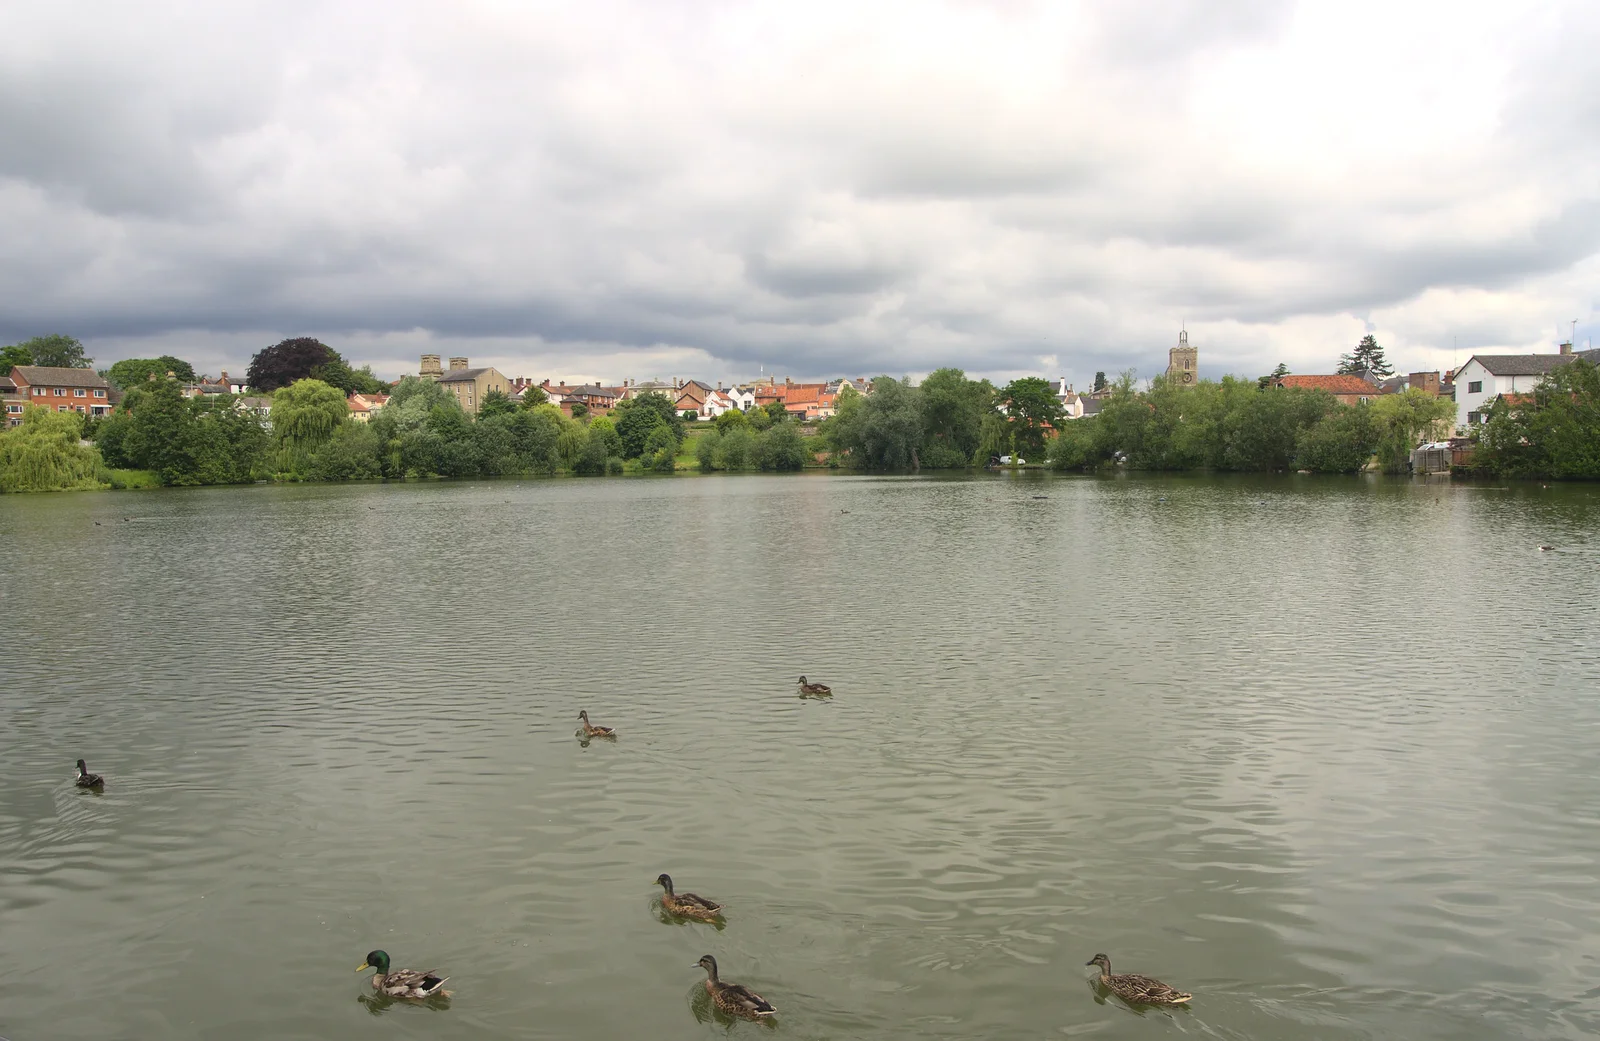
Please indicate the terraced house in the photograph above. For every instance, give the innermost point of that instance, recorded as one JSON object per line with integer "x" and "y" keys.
{"x": 60, "y": 390}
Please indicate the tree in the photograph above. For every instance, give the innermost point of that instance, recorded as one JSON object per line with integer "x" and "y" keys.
{"x": 336, "y": 372}
{"x": 287, "y": 361}
{"x": 953, "y": 410}
{"x": 660, "y": 449}
{"x": 776, "y": 411}
{"x": 16, "y": 354}
{"x": 637, "y": 417}
{"x": 533, "y": 397}
{"x": 1032, "y": 410}
{"x": 1099, "y": 382}
{"x": 1341, "y": 443}
{"x": 690, "y": 415}
{"x": 782, "y": 448}
{"x": 1402, "y": 421}
{"x": 1276, "y": 374}
{"x": 44, "y": 455}
{"x": 495, "y": 403}
{"x": 415, "y": 387}
{"x": 730, "y": 419}
{"x": 1367, "y": 356}
{"x": 579, "y": 410}
{"x": 130, "y": 372}
{"x": 882, "y": 431}
{"x": 1554, "y": 432}
{"x": 57, "y": 350}
{"x": 307, "y": 413}
{"x": 603, "y": 430}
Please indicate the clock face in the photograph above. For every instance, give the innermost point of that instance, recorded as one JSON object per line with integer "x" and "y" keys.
{"x": 1188, "y": 377}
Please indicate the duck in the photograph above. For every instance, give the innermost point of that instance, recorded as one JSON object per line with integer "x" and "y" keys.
{"x": 814, "y": 688}
{"x": 590, "y": 730}
{"x": 1546, "y": 549}
{"x": 87, "y": 779}
{"x": 734, "y": 998}
{"x": 1139, "y": 990}
{"x": 402, "y": 983}
{"x": 687, "y": 905}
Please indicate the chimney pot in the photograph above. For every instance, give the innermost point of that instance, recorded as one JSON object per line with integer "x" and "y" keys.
{"x": 1566, "y": 348}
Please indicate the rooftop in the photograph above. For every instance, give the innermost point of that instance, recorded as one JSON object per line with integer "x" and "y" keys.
{"x": 46, "y": 376}
{"x": 462, "y": 375}
{"x": 1331, "y": 384}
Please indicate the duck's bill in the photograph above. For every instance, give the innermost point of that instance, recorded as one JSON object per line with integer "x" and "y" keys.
{"x": 363, "y": 967}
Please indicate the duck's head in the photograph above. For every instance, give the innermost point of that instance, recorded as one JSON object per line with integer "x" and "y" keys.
{"x": 584, "y": 715}
{"x": 376, "y": 960}
{"x": 82, "y": 769}
{"x": 802, "y": 680}
{"x": 709, "y": 964}
{"x": 664, "y": 880}
{"x": 1100, "y": 960}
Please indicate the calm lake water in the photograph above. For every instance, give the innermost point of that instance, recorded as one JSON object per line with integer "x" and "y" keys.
{"x": 1325, "y": 752}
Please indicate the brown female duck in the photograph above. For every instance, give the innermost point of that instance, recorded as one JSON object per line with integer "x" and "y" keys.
{"x": 733, "y": 998}
{"x": 687, "y": 905}
{"x": 1139, "y": 990}
{"x": 590, "y": 730}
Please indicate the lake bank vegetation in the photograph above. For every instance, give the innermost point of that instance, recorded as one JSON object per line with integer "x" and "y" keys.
{"x": 948, "y": 421}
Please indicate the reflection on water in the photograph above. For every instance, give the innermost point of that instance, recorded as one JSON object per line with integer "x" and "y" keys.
{"x": 1319, "y": 751}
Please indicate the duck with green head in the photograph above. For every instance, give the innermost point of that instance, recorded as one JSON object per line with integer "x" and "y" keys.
{"x": 402, "y": 983}
{"x": 733, "y": 998}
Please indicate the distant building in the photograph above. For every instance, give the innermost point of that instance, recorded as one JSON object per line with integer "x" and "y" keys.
{"x": 468, "y": 386}
{"x": 1486, "y": 376}
{"x": 1183, "y": 361}
{"x": 364, "y": 406}
{"x": 1350, "y": 390}
{"x": 60, "y": 390}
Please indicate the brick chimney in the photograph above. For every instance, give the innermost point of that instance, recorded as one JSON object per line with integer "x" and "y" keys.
{"x": 1566, "y": 348}
{"x": 430, "y": 367}
{"x": 457, "y": 363}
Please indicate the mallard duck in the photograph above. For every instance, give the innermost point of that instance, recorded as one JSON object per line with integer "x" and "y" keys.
{"x": 402, "y": 983}
{"x": 87, "y": 779}
{"x": 814, "y": 688}
{"x": 590, "y": 730}
{"x": 1140, "y": 990}
{"x": 687, "y": 904}
{"x": 733, "y": 998}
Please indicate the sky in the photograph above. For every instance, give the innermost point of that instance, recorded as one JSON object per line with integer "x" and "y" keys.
{"x": 717, "y": 190}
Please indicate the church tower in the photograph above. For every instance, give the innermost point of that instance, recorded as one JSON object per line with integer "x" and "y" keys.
{"x": 1183, "y": 362}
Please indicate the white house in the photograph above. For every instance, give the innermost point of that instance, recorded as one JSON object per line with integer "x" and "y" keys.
{"x": 743, "y": 398}
{"x": 717, "y": 402}
{"x": 1486, "y": 376}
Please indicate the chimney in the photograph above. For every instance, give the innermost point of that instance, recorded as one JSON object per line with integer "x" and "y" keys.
{"x": 787, "y": 382}
{"x": 430, "y": 367}
{"x": 457, "y": 363}
{"x": 719, "y": 386}
{"x": 1566, "y": 348}
{"x": 597, "y": 384}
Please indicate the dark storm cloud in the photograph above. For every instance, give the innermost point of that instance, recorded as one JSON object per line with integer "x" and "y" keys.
{"x": 1005, "y": 187}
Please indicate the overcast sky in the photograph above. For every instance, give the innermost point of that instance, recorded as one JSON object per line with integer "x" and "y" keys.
{"x": 615, "y": 189}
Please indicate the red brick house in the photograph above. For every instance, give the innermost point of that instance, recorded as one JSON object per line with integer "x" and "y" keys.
{"x": 1349, "y": 390}
{"x": 59, "y": 390}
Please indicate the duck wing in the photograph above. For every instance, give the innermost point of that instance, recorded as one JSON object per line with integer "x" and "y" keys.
{"x": 697, "y": 902}
{"x": 1145, "y": 989}
{"x": 412, "y": 983}
{"x": 746, "y": 1000}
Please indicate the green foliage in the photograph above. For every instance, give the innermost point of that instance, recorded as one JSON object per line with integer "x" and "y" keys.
{"x": 1263, "y": 382}
{"x": 730, "y": 419}
{"x": 953, "y": 411}
{"x": 1074, "y": 447}
{"x": 782, "y": 448}
{"x": 336, "y": 372}
{"x": 183, "y": 441}
{"x": 131, "y": 372}
{"x": 880, "y": 431}
{"x": 306, "y": 413}
{"x": 415, "y": 387}
{"x": 1100, "y": 382}
{"x": 131, "y": 479}
{"x": 1367, "y": 356}
{"x": 57, "y": 350}
{"x": 496, "y": 403}
{"x": 1556, "y": 434}
{"x": 352, "y": 454}
{"x": 1404, "y": 421}
{"x": 604, "y": 430}
{"x": 579, "y": 410}
{"x": 690, "y": 415}
{"x": 44, "y": 455}
{"x": 1341, "y": 443}
{"x": 637, "y": 418}
{"x": 705, "y": 450}
{"x": 16, "y": 354}
{"x": 775, "y": 411}
{"x": 1033, "y": 412}
{"x": 533, "y": 397}
{"x": 660, "y": 450}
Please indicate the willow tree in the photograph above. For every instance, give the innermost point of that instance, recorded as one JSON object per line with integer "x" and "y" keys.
{"x": 306, "y": 413}
{"x": 45, "y": 454}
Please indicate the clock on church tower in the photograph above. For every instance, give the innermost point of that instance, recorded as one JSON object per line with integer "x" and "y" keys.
{"x": 1183, "y": 362}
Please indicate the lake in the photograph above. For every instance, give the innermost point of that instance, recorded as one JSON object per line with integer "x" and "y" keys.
{"x": 1323, "y": 751}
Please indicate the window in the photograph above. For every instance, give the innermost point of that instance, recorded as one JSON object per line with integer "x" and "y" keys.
{"x": 78, "y": 393}
{"x": 62, "y": 408}
{"x": 99, "y": 393}
{"x": 1472, "y": 418}
{"x": 1475, "y": 387}
{"x": 61, "y": 392}
{"x": 13, "y": 409}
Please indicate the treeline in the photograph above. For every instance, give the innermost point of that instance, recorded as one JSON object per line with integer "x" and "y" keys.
{"x": 1552, "y": 432}
{"x": 1239, "y": 425}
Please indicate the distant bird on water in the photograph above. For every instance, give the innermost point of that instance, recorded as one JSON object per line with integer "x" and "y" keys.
{"x": 590, "y": 730}
{"x": 1543, "y": 549}
{"x": 403, "y": 983}
{"x": 814, "y": 688}
{"x": 1141, "y": 990}
{"x": 87, "y": 779}
{"x": 687, "y": 904}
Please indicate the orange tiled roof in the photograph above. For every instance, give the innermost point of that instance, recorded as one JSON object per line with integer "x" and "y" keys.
{"x": 1331, "y": 384}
